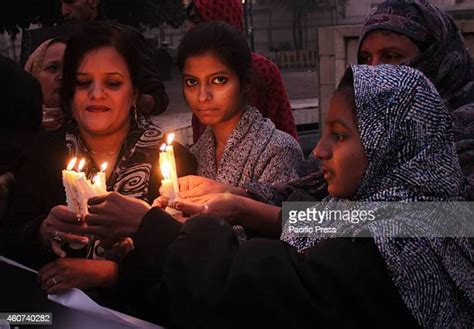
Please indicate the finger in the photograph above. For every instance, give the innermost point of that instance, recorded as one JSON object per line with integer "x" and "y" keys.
{"x": 97, "y": 200}
{"x": 73, "y": 238}
{"x": 161, "y": 201}
{"x": 62, "y": 214}
{"x": 49, "y": 283}
{"x": 55, "y": 225}
{"x": 97, "y": 219}
{"x": 59, "y": 288}
{"x": 181, "y": 217}
{"x": 189, "y": 207}
{"x": 97, "y": 230}
{"x": 47, "y": 276}
{"x": 56, "y": 247}
{"x": 193, "y": 193}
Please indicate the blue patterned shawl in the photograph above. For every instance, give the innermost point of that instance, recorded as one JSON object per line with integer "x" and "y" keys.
{"x": 406, "y": 133}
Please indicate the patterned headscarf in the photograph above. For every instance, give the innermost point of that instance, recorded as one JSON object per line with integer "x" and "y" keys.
{"x": 406, "y": 133}
{"x": 229, "y": 11}
{"x": 35, "y": 62}
{"x": 444, "y": 60}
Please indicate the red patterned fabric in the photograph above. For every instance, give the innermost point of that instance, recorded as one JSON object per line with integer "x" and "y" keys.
{"x": 267, "y": 93}
{"x": 229, "y": 11}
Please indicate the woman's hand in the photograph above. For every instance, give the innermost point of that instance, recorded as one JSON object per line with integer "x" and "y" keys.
{"x": 66, "y": 273}
{"x": 197, "y": 186}
{"x": 224, "y": 205}
{"x": 52, "y": 120}
{"x": 113, "y": 217}
{"x": 60, "y": 227}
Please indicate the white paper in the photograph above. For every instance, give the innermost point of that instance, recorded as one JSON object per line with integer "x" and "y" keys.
{"x": 78, "y": 300}
{"x": 12, "y": 262}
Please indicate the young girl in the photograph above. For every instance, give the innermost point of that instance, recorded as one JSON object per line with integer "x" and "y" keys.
{"x": 239, "y": 145}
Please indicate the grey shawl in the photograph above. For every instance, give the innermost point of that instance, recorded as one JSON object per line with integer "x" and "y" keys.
{"x": 255, "y": 152}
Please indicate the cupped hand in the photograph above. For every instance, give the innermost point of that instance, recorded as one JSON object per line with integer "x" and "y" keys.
{"x": 224, "y": 205}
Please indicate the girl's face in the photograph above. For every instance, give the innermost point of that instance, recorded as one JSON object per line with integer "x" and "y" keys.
{"x": 386, "y": 47}
{"x": 212, "y": 89}
{"x": 104, "y": 93}
{"x": 50, "y": 74}
{"x": 340, "y": 148}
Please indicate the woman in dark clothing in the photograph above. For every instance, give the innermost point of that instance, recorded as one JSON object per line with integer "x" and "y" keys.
{"x": 201, "y": 276}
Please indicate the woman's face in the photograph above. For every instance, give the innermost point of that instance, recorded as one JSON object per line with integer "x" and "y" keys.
{"x": 212, "y": 90}
{"x": 340, "y": 149}
{"x": 104, "y": 93}
{"x": 386, "y": 47}
{"x": 50, "y": 74}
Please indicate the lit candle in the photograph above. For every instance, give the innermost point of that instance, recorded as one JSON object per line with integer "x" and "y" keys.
{"x": 69, "y": 178}
{"x": 166, "y": 183}
{"x": 170, "y": 151}
{"x": 85, "y": 191}
{"x": 99, "y": 180}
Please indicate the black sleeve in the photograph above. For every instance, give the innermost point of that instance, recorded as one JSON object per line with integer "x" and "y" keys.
{"x": 140, "y": 271}
{"x": 209, "y": 281}
{"x": 37, "y": 189}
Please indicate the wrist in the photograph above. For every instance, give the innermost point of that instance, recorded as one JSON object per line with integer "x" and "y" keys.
{"x": 110, "y": 275}
{"x": 239, "y": 215}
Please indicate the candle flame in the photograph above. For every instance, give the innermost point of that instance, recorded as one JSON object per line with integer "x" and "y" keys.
{"x": 103, "y": 167}
{"x": 170, "y": 138}
{"x": 166, "y": 169}
{"x": 71, "y": 164}
{"x": 81, "y": 164}
{"x": 163, "y": 147}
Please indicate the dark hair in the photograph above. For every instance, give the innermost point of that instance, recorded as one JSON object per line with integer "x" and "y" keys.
{"x": 228, "y": 43}
{"x": 92, "y": 36}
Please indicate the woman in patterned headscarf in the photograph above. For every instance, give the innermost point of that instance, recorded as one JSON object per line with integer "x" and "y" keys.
{"x": 418, "y": 34}
{"x": 267, "y": 92}
{"x": 45, "y": 64}
{"x": 388, "y": 138}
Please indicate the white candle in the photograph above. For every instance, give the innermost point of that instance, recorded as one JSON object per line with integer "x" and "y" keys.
{"x": 99, "y": 180}
{"x": 166, "y": 183}
{"x": 69, "y": 178}
{"x": 170, "y": 151}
